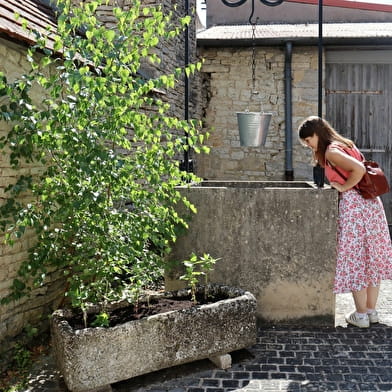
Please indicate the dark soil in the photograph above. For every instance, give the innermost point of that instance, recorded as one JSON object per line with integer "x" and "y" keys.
{"x": 145, "y": 309}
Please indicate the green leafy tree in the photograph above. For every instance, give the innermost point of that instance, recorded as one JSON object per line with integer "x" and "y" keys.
{"x": 103, "y": 205}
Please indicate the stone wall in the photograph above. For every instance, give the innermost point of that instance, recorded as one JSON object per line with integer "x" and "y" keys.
{"x": 228, "y": 72}
{"x": 171, "y": 52}
{"x": 172, "y": 55}
{"x": 34, "y": 310}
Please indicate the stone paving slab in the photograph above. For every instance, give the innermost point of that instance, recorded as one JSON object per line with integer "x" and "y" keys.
{"x": 341, "y": 359}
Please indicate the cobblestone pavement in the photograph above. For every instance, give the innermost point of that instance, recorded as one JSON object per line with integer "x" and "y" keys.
{"x": 343, "y": 358}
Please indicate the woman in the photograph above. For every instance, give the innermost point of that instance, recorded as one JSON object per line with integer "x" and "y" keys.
{"x": 364, "y": 250}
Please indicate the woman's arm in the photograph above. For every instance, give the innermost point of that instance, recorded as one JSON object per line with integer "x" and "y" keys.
{"x": 346, "y": 162}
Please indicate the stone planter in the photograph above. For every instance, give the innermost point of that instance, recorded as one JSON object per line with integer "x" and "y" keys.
{"x": 94, "y": 358}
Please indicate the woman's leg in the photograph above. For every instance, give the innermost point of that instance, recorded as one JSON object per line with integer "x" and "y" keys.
{"x": 366, "y": 298}
{"x": 372, "y": 296}
{"x": 360, "y": 299}
{"x": 359, "y": 318}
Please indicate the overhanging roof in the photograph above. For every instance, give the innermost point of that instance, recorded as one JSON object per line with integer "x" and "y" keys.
{"x": 38, "y": 16}
{"x": 304, "y": 34}
{"x": 359, "y": 5}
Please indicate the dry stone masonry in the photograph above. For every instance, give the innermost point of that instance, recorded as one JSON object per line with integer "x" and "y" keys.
{"x": 228, "y": 71}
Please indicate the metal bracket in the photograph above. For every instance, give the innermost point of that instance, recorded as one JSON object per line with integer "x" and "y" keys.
{"x": 271, "y": 3}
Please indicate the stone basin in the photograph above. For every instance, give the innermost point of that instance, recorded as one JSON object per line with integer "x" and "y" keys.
{"x": 257, "y": 184}
{"x": 276, "y": 239}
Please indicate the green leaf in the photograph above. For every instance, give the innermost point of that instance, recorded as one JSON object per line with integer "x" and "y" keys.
{"x": 110, "y": 35}
{"x": 89, "y": 34}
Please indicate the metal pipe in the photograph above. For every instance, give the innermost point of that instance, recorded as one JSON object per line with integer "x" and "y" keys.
{"x": 289, "y": 172}
{"x": 320, "y": 59}
{"x": 186, "y": 165}
{"x": 318, "y": 171}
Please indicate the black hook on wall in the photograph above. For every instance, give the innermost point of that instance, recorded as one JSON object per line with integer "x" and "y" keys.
{"x": 271, "y": 3}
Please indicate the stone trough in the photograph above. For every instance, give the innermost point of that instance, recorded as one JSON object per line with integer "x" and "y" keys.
{"x": 276, "y": 239}
{"x": 94, "y": 358}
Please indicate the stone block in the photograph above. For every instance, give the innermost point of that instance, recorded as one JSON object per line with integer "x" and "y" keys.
{"x": 221, "y": 361}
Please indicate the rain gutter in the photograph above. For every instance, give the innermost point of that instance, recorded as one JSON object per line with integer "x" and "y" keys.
{"x": 298, "y": 41}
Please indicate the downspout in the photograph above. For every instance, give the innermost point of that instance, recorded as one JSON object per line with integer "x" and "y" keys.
{"x": 318, "y": 171}
{"x": 186, "y": 163}
{"x": 289, "y": 172}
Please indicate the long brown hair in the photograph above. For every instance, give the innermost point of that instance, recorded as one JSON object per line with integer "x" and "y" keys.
{"x": 314, "y": 125}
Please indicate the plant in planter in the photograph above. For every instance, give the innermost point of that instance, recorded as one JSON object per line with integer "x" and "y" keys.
{"x": 196, "y": 267}
{"x": 102, "y": 201}
{"x": 102, "y": 205}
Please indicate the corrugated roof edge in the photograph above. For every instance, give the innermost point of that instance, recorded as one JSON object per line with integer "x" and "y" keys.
{"x": 304, "y": 34}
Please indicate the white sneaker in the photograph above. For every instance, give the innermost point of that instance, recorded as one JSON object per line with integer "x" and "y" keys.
{"x": 353, "y": 319}
{"x": 373, "y": 317}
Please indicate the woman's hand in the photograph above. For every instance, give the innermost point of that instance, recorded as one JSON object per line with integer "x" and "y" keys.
{"x": 337, "y": 186}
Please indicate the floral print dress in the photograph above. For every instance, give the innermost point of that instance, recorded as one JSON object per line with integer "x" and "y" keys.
{"x": 364, "y": 249}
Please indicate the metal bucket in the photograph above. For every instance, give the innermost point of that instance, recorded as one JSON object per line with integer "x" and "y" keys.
{"x": 253, "y": 128}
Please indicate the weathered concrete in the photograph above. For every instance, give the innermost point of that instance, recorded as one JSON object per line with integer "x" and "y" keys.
{"x": 275, "y": 239}
{"x": 96, "y": 357}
